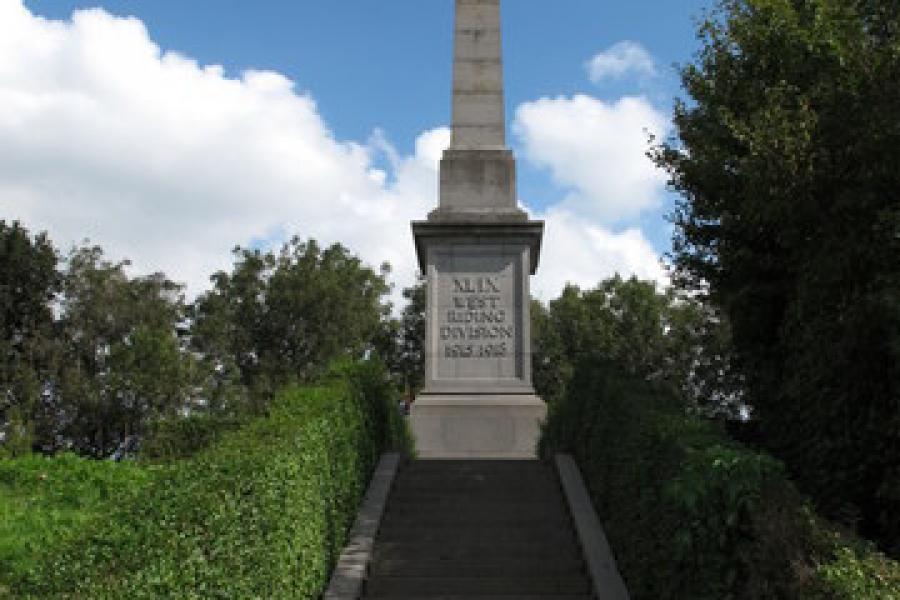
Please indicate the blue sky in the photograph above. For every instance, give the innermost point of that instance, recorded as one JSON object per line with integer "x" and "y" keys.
{"x": 387, "y": 63}
{"x": 368, "y": 67}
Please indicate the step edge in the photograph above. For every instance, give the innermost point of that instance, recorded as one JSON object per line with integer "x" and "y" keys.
{"x": 350, "y": 573}
{"x": 603, "y": 571}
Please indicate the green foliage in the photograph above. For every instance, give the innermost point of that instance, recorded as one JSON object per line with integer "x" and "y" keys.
{"x": 263, "y": 513}
{"x": 551, "y": 369}
{"x": 652, "y": 335}
{"x": 280, "y": 318}
{"x": 122, "y": 362}
{"x": 692, "y": 514}
{"x": 856, "y": 574}
{"x": 404, "y": 346}
{"x": 787, "y": 165}
{"x": 180, "y": 437}
{"x": 45, "y": 502}
{"x": 125, "y": 359}
{"x": 28, "y": 284}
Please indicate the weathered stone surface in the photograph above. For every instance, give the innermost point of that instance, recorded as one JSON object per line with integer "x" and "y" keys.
{"x": 478, "y": 250}
{"x": 478, "y": 426}
{"x": 478, "y": 112}
{"x": 477, "y": 337}
{"x": 475, "y": 228}
{"x": 478, "y": 181}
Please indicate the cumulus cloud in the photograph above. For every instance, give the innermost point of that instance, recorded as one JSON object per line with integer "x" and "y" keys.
{"x": 623, "y": 58}
{"x": 597, "y": 151}
{"x": 582, "y": 253}
{"x": 171, "y": 163}
{"x": 104, "y": 135}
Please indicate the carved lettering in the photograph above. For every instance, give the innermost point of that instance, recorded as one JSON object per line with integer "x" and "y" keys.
{"x": 476, "y": 351}
{"x": 462, "y": 316}
{"x": 476, "y": 324}
{"x": 476, "y": 285}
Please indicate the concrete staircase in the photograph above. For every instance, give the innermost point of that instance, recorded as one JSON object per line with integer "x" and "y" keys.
{"x": 477, "y": 530}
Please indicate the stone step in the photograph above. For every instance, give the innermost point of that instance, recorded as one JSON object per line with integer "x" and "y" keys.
{"x": 417, "y": 469}
{"x": 484, "y": 568}
{"x": 477, "y": 529}
{"x": 475, "y": 551}
{"x": 486, "y": 502}
{"x": 496, "y": 506}
{"x": 502, "y": 465}
{"x": 442, "y": 596}
{"x": 474, "y": 487}
{"x": 386, "y": 586}
{"x": 541, "y": 522}
{"x": 480, "y": 537}
{"x": 471, "y": 495}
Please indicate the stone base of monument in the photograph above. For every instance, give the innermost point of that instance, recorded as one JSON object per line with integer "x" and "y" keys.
{"x": 480, "y": 426}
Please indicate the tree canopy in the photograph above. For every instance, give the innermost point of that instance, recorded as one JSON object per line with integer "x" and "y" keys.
{"x": 282, "y": 317}
{"x": 651, "y": 334}
{"x": 95, "y": 360}
{"x": 788, "y": 164}
{"x": 29, "y": 282}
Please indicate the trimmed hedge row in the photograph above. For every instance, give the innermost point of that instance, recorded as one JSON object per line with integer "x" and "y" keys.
{"x": 693, "y": 514}
{"x": 263, "y": 513}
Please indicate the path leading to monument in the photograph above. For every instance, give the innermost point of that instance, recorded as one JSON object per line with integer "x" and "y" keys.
{"x": 477, "y": 530}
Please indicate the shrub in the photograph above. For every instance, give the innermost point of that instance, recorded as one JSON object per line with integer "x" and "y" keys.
{"x": 178, "y": 438}
{"x": 263, "y": 513}
{"x": 693, "y": 514}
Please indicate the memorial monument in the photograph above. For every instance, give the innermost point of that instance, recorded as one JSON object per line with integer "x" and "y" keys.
{"x": 478, "y": 250}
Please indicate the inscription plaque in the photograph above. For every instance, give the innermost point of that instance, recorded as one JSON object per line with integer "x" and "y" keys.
{"x": 476, "y": 333}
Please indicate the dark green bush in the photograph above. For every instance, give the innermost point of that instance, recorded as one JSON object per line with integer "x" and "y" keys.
{"x": 263, "y": 513}
{"x": 693, "y": 514}
{"x": 178, "y": 438}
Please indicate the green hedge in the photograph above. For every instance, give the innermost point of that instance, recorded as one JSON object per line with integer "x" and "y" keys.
{"x": 263, "y": 513}
{"x": 692, "y": 514}
{"x": 179, "y": 438}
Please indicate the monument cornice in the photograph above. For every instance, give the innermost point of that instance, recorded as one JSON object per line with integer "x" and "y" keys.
{"x": 477, "y": 229}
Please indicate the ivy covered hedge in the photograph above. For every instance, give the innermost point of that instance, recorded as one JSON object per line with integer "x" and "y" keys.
{"x": 691, "y": 513}
{"x": 262, "y": 513}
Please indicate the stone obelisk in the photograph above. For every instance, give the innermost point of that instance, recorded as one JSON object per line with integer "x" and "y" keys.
{"x": 478, "y": 250}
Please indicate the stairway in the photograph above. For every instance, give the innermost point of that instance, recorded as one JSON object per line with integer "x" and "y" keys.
{"x": 477, "y": 530}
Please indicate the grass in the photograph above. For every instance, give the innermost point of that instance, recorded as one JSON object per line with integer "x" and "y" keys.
{"x": 45, "y": 501}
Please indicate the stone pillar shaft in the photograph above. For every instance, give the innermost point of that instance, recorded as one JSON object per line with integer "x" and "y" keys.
{"x": 478, "y": 172}
{"x": 478, "y": 111}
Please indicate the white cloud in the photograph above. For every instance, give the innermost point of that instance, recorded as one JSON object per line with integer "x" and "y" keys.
{"x": 578, "y": 252}
{"x": 619, "y": 60}
{"x": 171, "y": 163}
{"x": 597, "y": 151}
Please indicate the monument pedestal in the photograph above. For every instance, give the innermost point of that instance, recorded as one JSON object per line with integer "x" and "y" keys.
{"x": 478, "y": 401}
{"x": 477, "y": 427}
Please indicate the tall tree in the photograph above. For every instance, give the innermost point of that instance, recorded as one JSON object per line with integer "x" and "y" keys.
{"x": 655, "y": 335}
{"x": 404, "y": 346}
{"x": 28, "y": 284}
{"x": 282, "y": 317}
{"x": 123, "y": 363}
{"x": 788, "y": 163}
